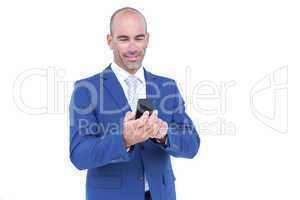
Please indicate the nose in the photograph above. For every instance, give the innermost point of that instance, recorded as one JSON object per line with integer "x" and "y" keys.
{"x": 132, "y": 47}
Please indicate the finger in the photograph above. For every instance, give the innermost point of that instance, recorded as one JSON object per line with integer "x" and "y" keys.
{"x": 150, "y": 125}
{"x": 157, "y": 127}
{"x": 129, "y": 116}
{"x": 126, "y": 116}
{"x": 142, "y": 134}
{"x": 151, "y": 128}
{"x": 142, "y": 120}
{"x": 152, "y": 119}
{"x": 154, "y": 113}
{"x": 163, "y": 129}
{"x": 152, "y": 131}
{"x": 164, "y": 125}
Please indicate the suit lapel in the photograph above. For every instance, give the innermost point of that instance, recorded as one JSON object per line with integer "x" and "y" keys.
{"x": 152, "y": 88}
{"x": 114, "y": 88}
{"x": 110, "y": 82}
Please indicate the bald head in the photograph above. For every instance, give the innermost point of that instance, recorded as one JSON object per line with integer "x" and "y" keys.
{"x": 126, "y": 12}
{"x": 128, "y": 38}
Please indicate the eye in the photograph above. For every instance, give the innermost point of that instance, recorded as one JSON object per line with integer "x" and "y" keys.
{"x": 140, "y": 38}
{"x": 123, "y": 39}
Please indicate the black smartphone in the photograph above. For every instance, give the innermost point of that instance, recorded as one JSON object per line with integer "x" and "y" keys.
{"x": 142, "y": 106}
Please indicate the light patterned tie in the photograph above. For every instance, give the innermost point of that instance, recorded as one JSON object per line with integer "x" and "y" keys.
{"x": 132, "y": 83}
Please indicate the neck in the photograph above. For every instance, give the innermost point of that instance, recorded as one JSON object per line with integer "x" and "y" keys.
{"x": 130, "y": 71}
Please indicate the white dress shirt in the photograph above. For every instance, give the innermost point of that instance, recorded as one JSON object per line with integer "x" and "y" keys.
{"x": 122, "y": 75}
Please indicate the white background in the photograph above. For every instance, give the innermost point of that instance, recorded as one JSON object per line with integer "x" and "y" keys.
{"x": 248, "y": 150}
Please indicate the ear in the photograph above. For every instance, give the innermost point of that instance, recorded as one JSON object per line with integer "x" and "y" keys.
{"x": 147, "y": 39}
{"x": 109, "y": 39}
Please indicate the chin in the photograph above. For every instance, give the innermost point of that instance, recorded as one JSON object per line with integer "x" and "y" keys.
{"x": 132, "y": 66}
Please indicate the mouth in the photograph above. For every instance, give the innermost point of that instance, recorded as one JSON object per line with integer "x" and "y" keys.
{"x": 132, "y": 58}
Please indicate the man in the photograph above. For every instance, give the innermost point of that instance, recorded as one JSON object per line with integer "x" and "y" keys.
{"x": 129, "y": 158}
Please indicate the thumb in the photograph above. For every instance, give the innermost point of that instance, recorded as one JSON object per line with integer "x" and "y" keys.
{"x": 129, "y": 116}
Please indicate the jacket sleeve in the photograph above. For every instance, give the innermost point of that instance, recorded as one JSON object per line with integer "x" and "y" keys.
{"x": 182, "y": 137}
{"x": 91, "y": 146}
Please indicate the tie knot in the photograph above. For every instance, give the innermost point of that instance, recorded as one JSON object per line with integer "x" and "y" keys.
{"x": 132, "y": 81}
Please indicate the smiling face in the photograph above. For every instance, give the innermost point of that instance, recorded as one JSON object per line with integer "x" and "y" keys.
{"x": 128, "y": 40}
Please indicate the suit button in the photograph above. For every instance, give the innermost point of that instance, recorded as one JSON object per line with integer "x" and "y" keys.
{"x": 141, "y": 178}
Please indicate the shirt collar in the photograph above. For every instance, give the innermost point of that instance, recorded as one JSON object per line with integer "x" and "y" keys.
{"x": 122, "y": 74}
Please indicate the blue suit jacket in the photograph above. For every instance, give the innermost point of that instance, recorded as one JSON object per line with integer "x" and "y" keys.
{"x": 97, "y": 109}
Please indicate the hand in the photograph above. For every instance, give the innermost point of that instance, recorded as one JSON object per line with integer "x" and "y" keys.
{"x": 157, "y": 128}
{"x": 163, "y": 131}
{"x": 134, "y": 130}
